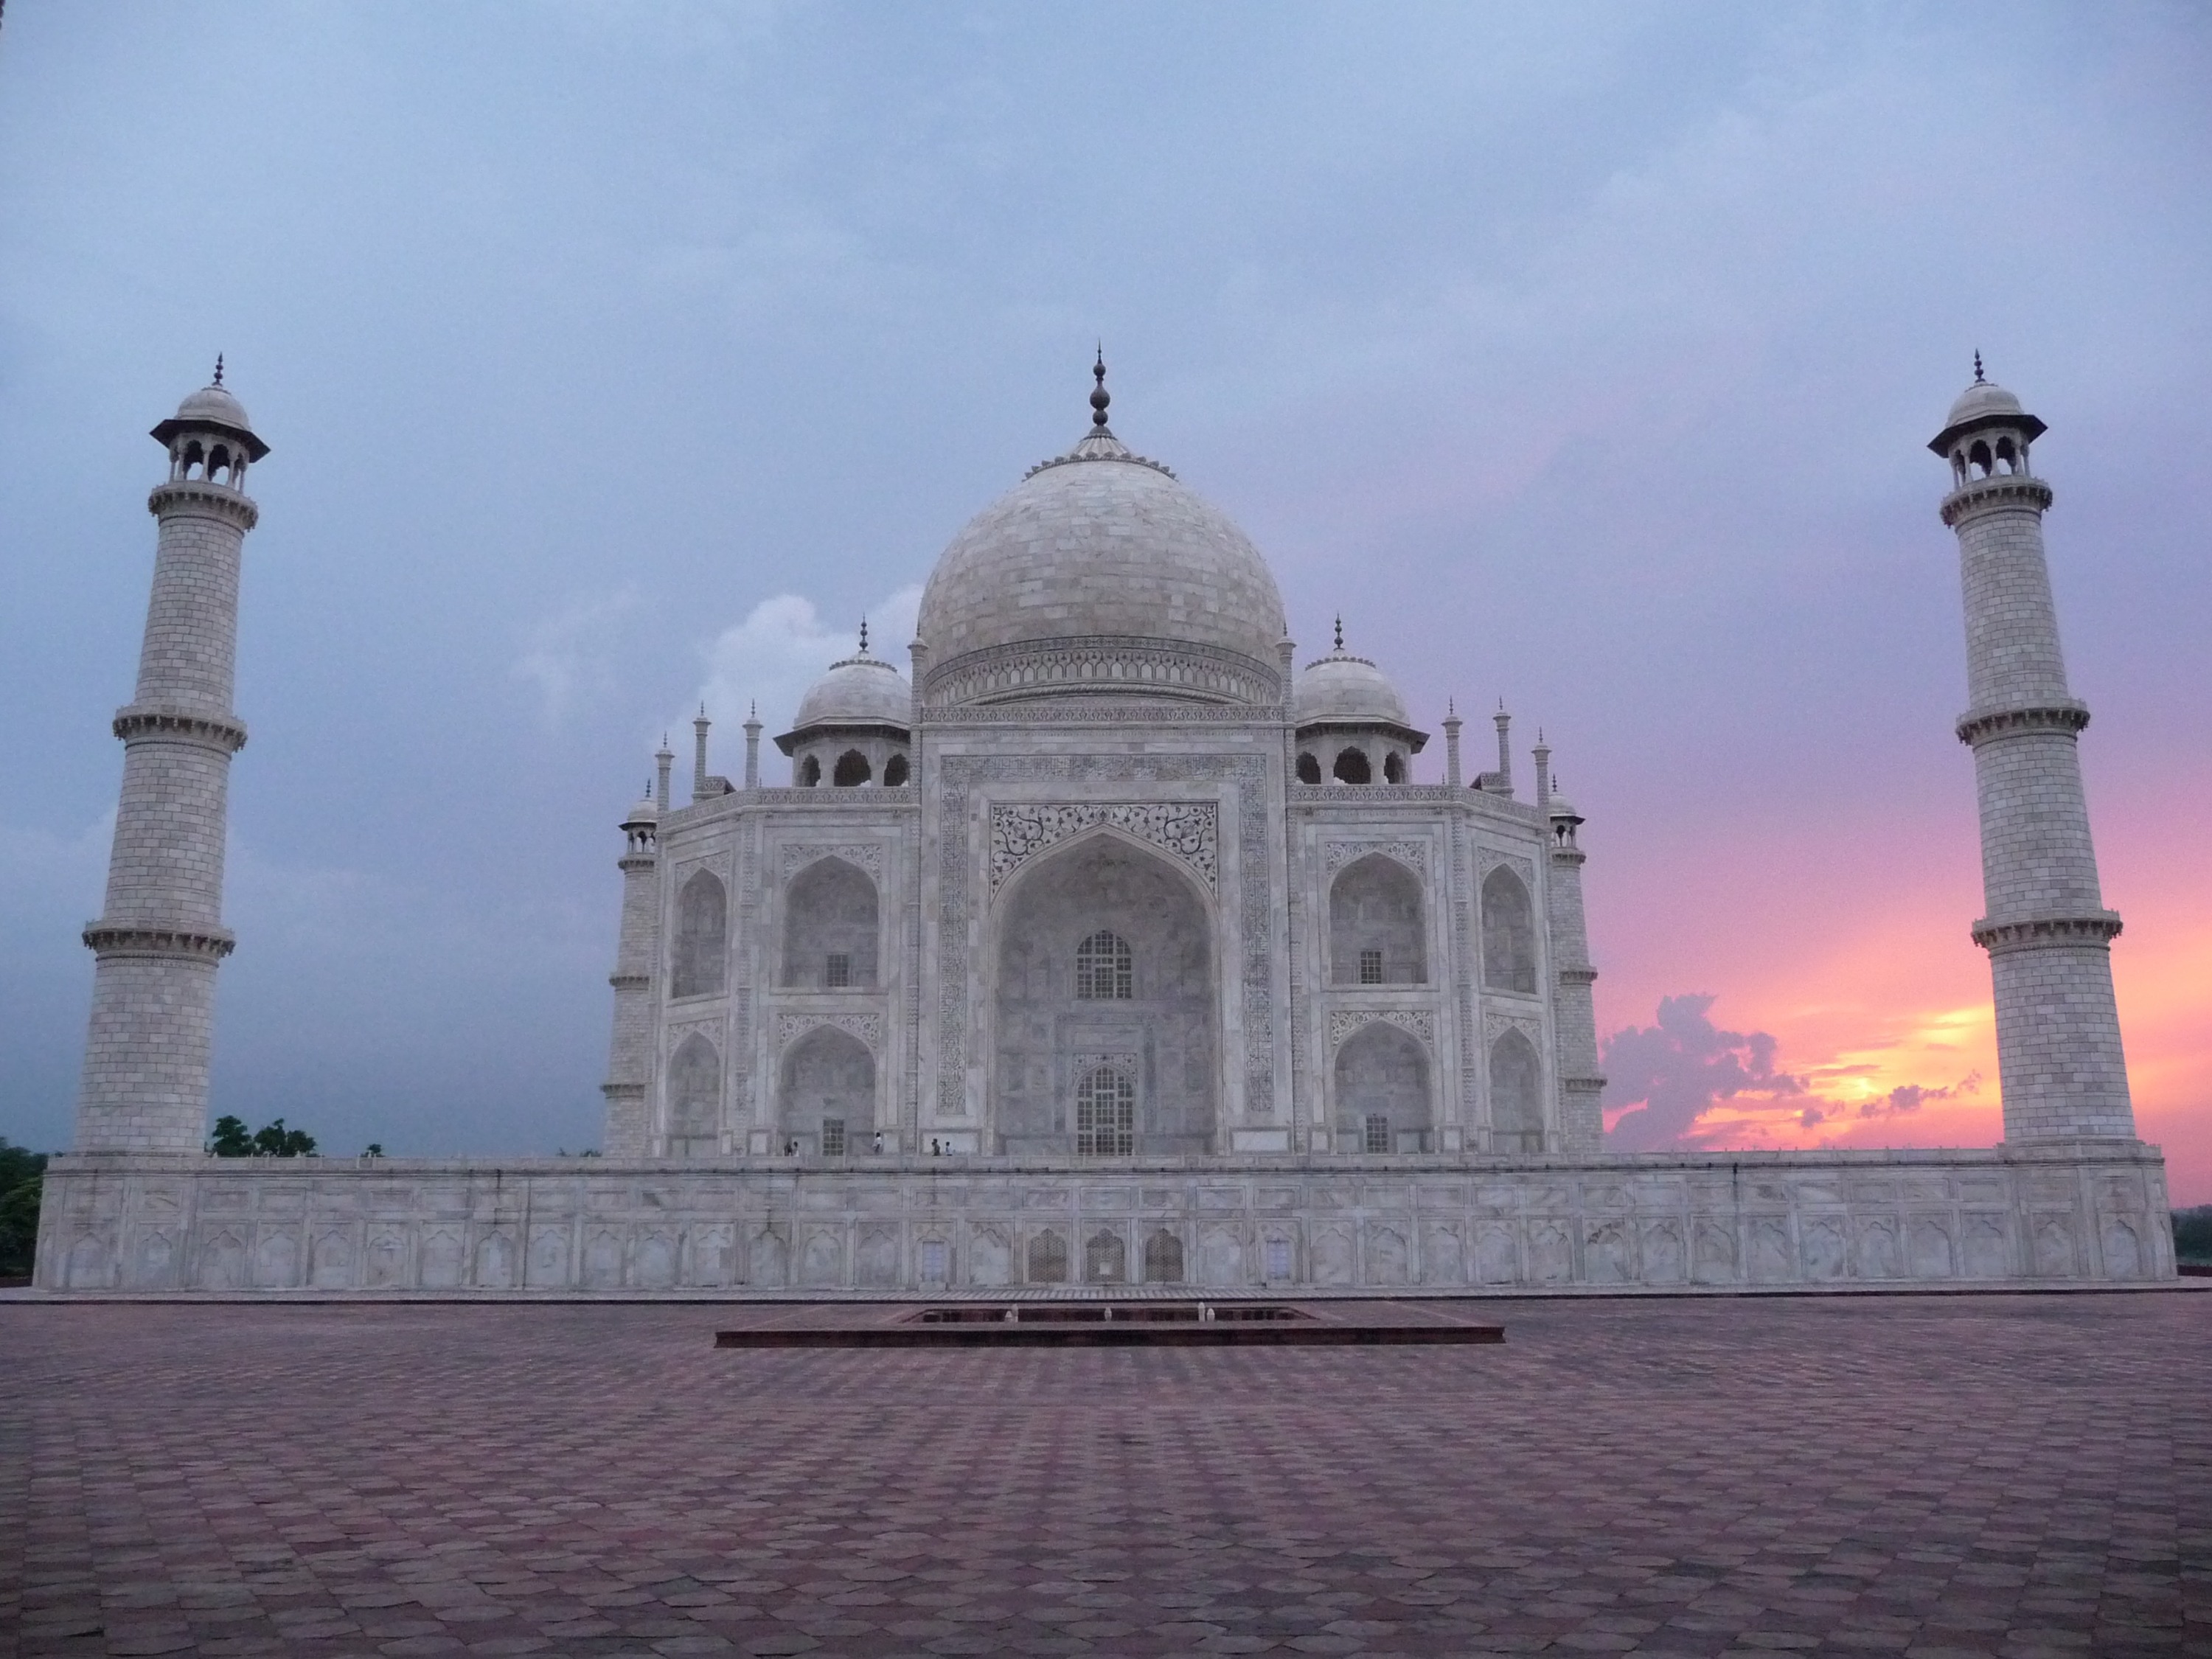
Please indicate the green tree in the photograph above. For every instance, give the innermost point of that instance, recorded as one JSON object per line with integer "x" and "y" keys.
{"x": 274, "y": 1140}
{"x": 231, "y": 1139}
{"x": 2192, "y": 1234}
{"x": 22, "y": 1176}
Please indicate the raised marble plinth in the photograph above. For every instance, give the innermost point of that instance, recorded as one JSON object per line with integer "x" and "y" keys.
{"x": 2085, "y": 1212}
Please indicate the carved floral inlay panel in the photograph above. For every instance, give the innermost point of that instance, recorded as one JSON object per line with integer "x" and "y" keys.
{"x": 868, "y": 855}
{"x": 1414, "y": 854}
{"x": 1343, "y": 1022}
{"x": 1489, "y": 857}
{"x": 1188, "y": 829}
{"x": 869, "y": 1028}
{"x": 1495, "y": 1026}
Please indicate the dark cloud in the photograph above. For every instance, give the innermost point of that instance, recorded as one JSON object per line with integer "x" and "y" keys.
{"x": 1677, "y": 1069}
{"x": 1907, "y": 1098}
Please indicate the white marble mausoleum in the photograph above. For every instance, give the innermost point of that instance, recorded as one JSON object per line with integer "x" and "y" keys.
{"x": 1106, "y": 943}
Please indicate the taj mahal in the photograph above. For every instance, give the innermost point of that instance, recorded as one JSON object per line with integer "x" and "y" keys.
{"x": 1111, "y": 941}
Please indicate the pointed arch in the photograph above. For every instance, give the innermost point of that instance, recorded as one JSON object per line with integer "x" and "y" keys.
{"x": 1375, "y": 929}
{"x": 853, "y": 770}
{"x": 1046, "y": 1037}
{"x": 695, "y": 1099}
{"x": 828, "y": 1091}
{"x": 703, "y": 925}
{"x": 1517, "y": 1095}
{"x": 1382, "y": 1094}
{"x": 1508, "y": 933}
{"x": 832, "y": 928}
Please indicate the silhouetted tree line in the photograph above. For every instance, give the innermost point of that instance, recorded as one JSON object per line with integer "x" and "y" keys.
{"x": 20, "y": 1172}
{"x": 231, "y": 1139}
{"x": 2192, "y": 1234}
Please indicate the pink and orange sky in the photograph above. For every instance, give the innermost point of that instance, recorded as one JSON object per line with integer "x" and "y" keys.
{"x": 1581, "y": 355}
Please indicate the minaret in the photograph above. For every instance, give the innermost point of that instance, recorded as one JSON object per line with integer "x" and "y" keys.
{"x": 699, "y": 757}
{"x": 2046, "y": 926}
{"x": 161, "y": 935}
{"x": 629, "y": 1054}
{"x": 1581, "y": 1121}
{"x": 752, "y": 746}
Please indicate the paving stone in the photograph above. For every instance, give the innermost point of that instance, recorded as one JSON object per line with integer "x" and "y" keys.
{"x": 2021, "y": 1477}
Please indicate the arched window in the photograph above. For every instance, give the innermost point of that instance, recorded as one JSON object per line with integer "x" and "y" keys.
{"x": 1163, "y": 1259}
{"x": 701, "y": 937}
{"x": 895, "y": 772}
{"x": 219, "y": 460}
{"x": 1105, "y": 1114}
{"x": 809, "y": 773}
{"x": 1105, "y": 1259}
{"x": 695, "y": 1099}
{"x": 1375, "y": 924}
{"x": 1352, "y": 766}
{"x": 193, "y": 456}
{"x": 1508, "y": 933}
{"x": 1979, "y": 458}
{"x": 1102, "y": 968}
{"x": 1308, "y": 768}
{"x": 1394, "y": 768}
{"x": 853, "y": 770}
{"x": 1517, "y": 1102}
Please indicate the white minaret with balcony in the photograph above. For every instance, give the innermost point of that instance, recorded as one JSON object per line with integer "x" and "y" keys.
{"x": 2046, "y": 926}
{"x": 161, "y": 936}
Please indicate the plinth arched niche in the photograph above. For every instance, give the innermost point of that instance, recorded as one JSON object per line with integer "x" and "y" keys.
{"x": 1104, "y": 965}
{"x": 1383, "y": 1094}
{"x": 830, "y": 927}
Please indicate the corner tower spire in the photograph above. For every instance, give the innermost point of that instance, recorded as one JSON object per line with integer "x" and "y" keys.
{"x": 161, "y": 936}
{"x": 2046, "y": 927}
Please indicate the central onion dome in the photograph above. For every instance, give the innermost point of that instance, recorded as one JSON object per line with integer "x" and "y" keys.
{"x": 1100, "y": 572}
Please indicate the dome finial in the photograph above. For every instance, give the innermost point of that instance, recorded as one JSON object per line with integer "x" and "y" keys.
{"x": 864, "y": 636}
{"x": 1099, "y": 396}
{"x": 1339, "y": 630}
{"x": 1977, "y": 367}
{"x": 218, "y": 368}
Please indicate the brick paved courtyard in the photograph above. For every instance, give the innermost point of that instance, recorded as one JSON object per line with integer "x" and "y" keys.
{"x": 2013, "y": 1475}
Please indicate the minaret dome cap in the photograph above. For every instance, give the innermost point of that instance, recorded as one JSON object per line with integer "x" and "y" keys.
{"x": 1984, "y": 404}
{"x": 212, "y": 409}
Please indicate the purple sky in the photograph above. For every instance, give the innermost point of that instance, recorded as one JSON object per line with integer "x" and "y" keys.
{"x": 614, "y": 356}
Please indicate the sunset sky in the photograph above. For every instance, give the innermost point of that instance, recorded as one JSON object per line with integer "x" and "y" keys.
{"x": 616, "y": 357}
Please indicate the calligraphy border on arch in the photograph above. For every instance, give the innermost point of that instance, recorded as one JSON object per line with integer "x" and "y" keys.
{"x": 1187, "y": 830}
{"x": 958, "y": 775}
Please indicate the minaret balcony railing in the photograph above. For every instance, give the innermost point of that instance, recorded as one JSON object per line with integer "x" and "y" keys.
{"x": 2058, "y": 714}
{"x": 2014, "y": 491}
{"x": 219, "y": 501}
{"x": 225, "y": 734}
{"x": 207, "y": 943}
{"x": 2031, "y": 932}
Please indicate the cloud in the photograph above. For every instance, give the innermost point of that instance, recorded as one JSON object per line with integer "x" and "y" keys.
{"x": 780, "y": 649}
{"x": 1670, "y": 1074}
{"x": 573, "y": 652}
{"x": 1666, "y": 1084}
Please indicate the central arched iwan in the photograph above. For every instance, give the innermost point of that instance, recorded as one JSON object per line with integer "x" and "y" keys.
{"x": 1158, "y": 1025}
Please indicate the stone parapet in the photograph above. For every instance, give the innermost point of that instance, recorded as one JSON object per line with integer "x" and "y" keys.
{"x": 2085, "y": 1212}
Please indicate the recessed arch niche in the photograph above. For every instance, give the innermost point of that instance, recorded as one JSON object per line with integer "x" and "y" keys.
{"x": 830, "y": 915}
{"x": 695, "y": 1099}
{"x": 703, "y": 929}
{"x": 1375, "y": 924}
{"x": 1047, "y": 1038}
{"x": 1508, "y": 933}
{"x": 828, "y": 1077}
{"x": 1382, "y": 1096}
{"x": 1517, "y": 1095}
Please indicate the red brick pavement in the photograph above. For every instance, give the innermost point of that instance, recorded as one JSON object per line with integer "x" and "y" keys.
{"x": 2014, "y": 1475}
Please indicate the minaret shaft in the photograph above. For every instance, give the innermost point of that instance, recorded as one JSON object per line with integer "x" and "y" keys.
{"x": 161, "y": 936}
{"x": 2059, "y": 1054}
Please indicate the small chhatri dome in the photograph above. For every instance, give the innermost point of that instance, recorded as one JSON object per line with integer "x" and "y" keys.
{"x": 647, "y": 811}
{"x": 1984, "y": 404}
{"x": 212, "y": 408}
{"x": 1342, "y": 689}
{"x": 860, "y": 691}
{"x": 1102, "y": 547}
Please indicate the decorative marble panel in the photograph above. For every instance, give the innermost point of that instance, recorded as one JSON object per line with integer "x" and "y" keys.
{"x": 867, "y": 855}
{"x": 1187, "y": 830}
{"x": 1414, "y": 854}
{"x": 869, "y": 1028}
